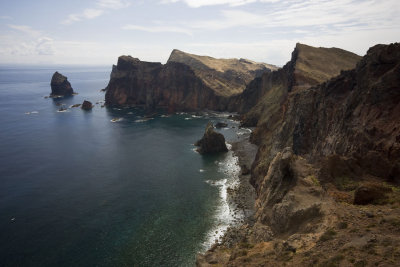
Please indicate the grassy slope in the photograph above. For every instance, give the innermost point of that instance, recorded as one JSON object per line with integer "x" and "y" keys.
{"x": 225, "y": 76}
{"x": 317, "y": 65}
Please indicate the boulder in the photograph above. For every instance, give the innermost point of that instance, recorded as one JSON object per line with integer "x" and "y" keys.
{"x": 245, "y": 170}
{"x": 212, "y": 142}
{"x": 60, "y": 85}
{"x": 221, "y": 125}
{"x": 87, "y": 105}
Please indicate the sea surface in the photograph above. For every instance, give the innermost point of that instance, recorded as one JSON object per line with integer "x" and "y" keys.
{"x": 106, "y": 187}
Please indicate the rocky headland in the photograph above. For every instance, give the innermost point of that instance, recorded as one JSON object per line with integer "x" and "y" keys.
{"x": 185, "y": 82}
{"x": 324, "y": 147}
{"x": 60, "y": 86}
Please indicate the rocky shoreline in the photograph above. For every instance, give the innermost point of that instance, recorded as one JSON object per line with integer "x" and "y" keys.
{"x": 242, "y": 197}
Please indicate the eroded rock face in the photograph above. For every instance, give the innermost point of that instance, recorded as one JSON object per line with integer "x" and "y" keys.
{"x": 309, "y": 135}
{"x": 185, "y": 82}
{"x": 309, "y": 66}
{"x": 285, "y": 202}
{"x": 211, "y": 142}
{"x": 354, "y": 139}
{"x": 173, "y": 86}
{"x": 60, "y": 86}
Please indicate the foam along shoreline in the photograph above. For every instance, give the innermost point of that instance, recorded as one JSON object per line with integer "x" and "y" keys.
{"x": 226, "y": 214}
{"x": 237, "y": 196}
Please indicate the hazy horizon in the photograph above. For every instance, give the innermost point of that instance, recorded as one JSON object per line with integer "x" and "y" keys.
{"x": 95, "y": 33}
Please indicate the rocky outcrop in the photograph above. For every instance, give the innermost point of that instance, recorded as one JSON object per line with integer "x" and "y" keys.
{"x": 355, "y": 138}
{"x": 173, "y": 85}
{"x": 221, "y": 125}
{"x": 309, "y": 66}
{"x": 211, "y": 142}
{"x": 319, "y": 148}
{"x": 60, "y": 86}
{"x": 180, "y": 84}
{"x": 87, "y": 105}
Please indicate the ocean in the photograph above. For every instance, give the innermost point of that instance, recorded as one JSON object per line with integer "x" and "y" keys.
{"x": 105, "y": 187}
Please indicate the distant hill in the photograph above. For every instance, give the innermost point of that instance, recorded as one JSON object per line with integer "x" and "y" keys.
{"x": 226, "y": 77}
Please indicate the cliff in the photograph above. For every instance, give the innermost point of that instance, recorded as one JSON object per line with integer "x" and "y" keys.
{"x": 308, "y": 67}
{"x": 185, "y": 82}
{"x": 323, "y": 148}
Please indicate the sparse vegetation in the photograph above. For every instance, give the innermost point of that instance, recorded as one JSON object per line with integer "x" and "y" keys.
{"x": 313, "y": 179}
{"x": 342, "y": 225}
{"x": 360, "y": 263}
{"x": 333, "y": 261}
{"x": 345, "y": 183}
{"x": 328, "y": 235}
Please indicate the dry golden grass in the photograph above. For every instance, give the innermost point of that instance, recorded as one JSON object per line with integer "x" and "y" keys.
{"x": 225, "y": 76}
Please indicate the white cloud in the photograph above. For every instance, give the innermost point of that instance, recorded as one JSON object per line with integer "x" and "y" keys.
{"x": 157, "y": 29}
{"x": 45, "y": 46}
{"x": 89, "y": 13}
{"x": 25, "y": 40}
{"x": 201, "y": 3}
{"x": 311, "y": 13}
{"x": 25, "y": 29}
{"x": 113, "y": 4}
{"x": 101, "y": 8}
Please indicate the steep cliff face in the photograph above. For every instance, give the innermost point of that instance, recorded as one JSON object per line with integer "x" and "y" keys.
{"x": 308, "y": 67}
{"x": 226, "y": 77}
{"x": 324, "y": 150}
{"x": 173, "y": 85}
{"x": 185, "y": 82}
{"x": 354, "y": 115}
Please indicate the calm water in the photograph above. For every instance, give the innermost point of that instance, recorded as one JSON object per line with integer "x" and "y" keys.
{"x": 79, "y": 190}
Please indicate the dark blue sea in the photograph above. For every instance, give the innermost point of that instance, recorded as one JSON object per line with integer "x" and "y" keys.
{"x": 106, "y": 187}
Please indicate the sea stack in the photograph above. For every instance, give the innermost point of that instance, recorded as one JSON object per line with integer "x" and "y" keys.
{"x": 87, "y": 105}
{"x": 212, "y": 142}
{"x": 60, "y": 85}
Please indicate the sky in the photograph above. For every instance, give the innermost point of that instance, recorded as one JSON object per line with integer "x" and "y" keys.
{"x": 97, "y": 32}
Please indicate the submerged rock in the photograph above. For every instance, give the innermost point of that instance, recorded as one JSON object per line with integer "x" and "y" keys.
{"x": 221, "y": 125}
{"x": 60, "y": 86}
{"x": 87, "y": 105}
{"x": 212, "y": 142}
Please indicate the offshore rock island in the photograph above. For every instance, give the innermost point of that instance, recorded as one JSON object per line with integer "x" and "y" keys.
{"x": 60, "y": 86}
{"x": 327, "y": 170}
{"x": 211, "y": 142}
